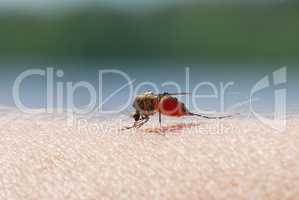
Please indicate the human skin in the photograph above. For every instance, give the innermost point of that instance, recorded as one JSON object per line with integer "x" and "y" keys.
{"x": 43, "y": 158}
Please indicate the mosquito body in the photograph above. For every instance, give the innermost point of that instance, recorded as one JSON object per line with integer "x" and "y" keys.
{"x": 148, "y": 104}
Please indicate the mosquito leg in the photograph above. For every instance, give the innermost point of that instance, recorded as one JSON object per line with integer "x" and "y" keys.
{"x": 138, "y": 124}
{"x": 127, "y": 128}
{"x": 135, "y": 125}
{"x": 144, "y": 121}
{"x": 160, "y": 121}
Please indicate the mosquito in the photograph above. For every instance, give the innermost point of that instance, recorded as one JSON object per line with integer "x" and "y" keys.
{"x": 148, "y": 104}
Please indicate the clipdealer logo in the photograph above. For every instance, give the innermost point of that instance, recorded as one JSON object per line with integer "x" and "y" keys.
{"x": 279, "y": 122}
{"x": 96, "y": 100}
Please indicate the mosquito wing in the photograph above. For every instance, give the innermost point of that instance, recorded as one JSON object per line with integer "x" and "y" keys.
{"x": 177, "y": 94}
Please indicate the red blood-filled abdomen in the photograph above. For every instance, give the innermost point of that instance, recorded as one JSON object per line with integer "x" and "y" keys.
{"x": 172, "y": 107}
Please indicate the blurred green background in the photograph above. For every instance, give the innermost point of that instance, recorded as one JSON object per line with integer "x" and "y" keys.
{"x": 245, "y": 32}
{"x": 150, "y": 40}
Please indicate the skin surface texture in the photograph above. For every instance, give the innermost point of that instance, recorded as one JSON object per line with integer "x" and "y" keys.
{"x": 190, "y": 158}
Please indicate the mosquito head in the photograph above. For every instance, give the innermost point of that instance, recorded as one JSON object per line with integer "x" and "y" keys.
{"x": 136, "y": 115}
